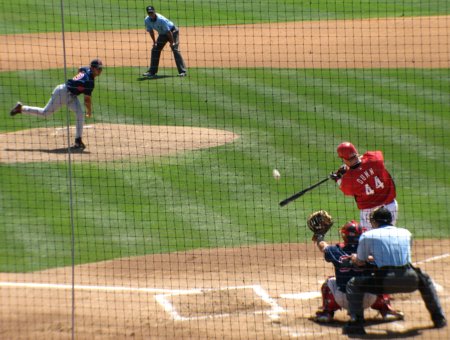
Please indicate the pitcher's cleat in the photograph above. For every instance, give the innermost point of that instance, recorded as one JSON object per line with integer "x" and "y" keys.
{"x": 16, "y": 109}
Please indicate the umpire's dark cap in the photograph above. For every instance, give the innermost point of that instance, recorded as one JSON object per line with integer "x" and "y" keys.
{"x": 381, "y": 215}
{"x": 97, "y": 63}
{"x": 150, "y": 9}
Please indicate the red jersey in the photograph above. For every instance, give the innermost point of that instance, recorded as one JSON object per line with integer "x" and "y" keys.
{"x": 370, "y": 183}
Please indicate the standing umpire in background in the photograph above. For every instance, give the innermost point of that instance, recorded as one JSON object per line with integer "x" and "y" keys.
{"x": 167, "y": 32}
{"x": 391, "y": 250}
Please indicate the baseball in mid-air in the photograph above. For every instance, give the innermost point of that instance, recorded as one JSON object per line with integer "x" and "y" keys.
{"x": 276, "y": 174}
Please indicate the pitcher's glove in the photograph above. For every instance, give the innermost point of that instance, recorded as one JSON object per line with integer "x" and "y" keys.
{"x": 319, "y": 222}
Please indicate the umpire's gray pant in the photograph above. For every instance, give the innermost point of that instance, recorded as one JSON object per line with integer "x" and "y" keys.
{"x": 162, "y": 40}
{"x": 389, "y": 281}
{"x": 60, "y": 97}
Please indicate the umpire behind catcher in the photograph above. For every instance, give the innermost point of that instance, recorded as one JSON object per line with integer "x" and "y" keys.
{"x": 391, "y": 250}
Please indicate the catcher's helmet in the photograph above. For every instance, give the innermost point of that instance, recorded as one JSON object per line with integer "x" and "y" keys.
{"x": 381, "y": 215}
{"x": 350, "y": 232}
{"x": 346, "y": 150}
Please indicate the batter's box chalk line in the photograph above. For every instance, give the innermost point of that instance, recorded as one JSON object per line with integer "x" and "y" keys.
{"x": 164, "y": 300}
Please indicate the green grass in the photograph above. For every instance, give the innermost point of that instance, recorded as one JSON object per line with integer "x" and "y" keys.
{"x": 224, "y": 196}
{"x": 31, "y": 16}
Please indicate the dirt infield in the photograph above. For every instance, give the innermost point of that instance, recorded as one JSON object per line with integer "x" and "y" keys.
{"x": 369, "y": 43}
{"x": 107, "y": 142}
{"x": 257, "y": 292}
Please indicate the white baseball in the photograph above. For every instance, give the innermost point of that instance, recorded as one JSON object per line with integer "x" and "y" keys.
{"x": 276, "y": 174}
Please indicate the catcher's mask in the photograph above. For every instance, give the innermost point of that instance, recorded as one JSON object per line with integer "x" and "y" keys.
{"x": 350, "y": 232}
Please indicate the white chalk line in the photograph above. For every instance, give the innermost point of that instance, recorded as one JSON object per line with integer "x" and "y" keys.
{"x": 73, "y": 127}
{"x": 434, "y": 258}
{"x": 272, "y": 313}
{"x": 162, "y": 295}
{"x": 58, "y": 130}
{"x": 301, "y": 296}
{"x": 88, "y": 287}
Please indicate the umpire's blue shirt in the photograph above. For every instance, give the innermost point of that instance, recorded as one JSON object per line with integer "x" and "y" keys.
{"x": 389, "y": 245}
{"x": 162, "y": 25}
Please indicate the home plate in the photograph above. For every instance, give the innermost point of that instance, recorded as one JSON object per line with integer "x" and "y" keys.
{"x": 301, "y": 296}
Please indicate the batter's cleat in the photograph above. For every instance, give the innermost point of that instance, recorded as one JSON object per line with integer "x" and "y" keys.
{"x": 182, "y": 74}
{"x": 323, "y": 316}
{"x": 392, "y": 315}
{"x": 16, "y": 109}
{"x": 78, "y": 146}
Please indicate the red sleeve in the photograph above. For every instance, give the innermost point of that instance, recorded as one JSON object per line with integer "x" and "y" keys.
{"x": 370, "y": 183}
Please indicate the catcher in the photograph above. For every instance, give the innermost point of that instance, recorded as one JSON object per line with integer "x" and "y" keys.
{"x": 333, "y": 289}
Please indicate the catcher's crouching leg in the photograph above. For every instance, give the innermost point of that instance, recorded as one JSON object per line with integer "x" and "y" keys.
{"x": 329, "y": 305}
{"x": 383, "y": 305}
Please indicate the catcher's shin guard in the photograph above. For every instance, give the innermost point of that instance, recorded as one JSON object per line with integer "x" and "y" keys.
{"x": 325, "y": 313}
{"x": 329, "y": 304}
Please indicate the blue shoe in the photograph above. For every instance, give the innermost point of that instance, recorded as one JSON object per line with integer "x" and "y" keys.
{"x": 149, "y": 75}
{"x": 16, "y": 109}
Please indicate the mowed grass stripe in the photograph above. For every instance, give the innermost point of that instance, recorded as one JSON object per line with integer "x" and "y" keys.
{"x": 419, "y": 84}
{"x": 379, "y": 110}
{"x": 82, "y": 15}
{"x": 225, "y": 196}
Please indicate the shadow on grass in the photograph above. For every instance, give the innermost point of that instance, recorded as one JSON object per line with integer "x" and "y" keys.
{"x": 52, "y": 151}
{"x": 142, "y": 78}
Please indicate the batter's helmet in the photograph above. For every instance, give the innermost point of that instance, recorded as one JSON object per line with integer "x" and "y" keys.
{"x": 350, "y": 232}
{"x": 381, "y": 215}
{"x": 346, "y": 150}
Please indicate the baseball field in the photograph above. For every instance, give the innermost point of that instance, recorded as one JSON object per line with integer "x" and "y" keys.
{"x": 168, "y": 224}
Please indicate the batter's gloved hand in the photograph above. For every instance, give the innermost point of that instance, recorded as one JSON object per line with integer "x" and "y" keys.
{"x": 319, "y": 222}
{"x": 335, "y": 176}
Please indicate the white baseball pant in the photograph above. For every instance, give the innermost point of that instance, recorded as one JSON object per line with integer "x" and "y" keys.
{"x": 364, "y": 214}
{"x": 60, "y": 97}
{"x": 341, "y": 298}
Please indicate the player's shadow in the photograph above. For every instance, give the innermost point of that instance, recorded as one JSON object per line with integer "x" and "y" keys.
{"x": 407, "y": 333}
{"x": 58, "y": 151}
{"x": 142, "y": 78}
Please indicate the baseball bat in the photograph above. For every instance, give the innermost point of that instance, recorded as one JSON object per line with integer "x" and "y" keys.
{"x": 301, "y": 193}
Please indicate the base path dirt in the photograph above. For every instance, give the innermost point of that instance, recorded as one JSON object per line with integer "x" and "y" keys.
{"x": 370, "y": 43}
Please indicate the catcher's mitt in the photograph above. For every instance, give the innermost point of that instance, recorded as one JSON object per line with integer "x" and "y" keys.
{"x": 320, "y": 222}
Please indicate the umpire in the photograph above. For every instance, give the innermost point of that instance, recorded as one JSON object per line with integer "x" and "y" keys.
{"x": 391, "y": 250}
{"x": 167, "y": 33}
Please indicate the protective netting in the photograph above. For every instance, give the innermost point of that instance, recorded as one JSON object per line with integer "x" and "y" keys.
{"x": 158, "y": 216}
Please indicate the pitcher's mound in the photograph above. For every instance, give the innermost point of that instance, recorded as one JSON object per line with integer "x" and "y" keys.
{"x": 108, "y": 142}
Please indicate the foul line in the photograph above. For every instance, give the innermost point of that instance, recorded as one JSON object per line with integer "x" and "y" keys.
{"x": 86, "y": 287}
{"x": 304, "y": 295}
{"x": 434, "y": 258}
